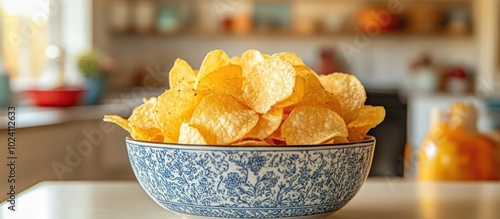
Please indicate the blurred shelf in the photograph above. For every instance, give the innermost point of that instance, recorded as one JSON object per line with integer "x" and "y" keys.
{"x": 286, "y": 33}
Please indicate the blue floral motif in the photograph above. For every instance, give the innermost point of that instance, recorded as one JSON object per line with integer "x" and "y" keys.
{"x": 262, "y": 183}
{"x": 256, "y": 163}
{"x": 233, "y": 181}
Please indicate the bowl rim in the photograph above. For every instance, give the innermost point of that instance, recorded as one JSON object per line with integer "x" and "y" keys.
{"x": 369, "y": 140}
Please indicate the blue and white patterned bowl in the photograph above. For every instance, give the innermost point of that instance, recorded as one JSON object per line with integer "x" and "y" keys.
{"x": 251, "y": 182}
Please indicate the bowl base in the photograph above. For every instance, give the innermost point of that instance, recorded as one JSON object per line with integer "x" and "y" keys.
{"x": 318, "y": 216}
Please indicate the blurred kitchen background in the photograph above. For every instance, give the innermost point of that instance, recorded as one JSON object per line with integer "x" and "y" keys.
{"x": 412, "y": 56}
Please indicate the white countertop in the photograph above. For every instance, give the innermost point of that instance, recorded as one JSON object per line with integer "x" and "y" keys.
{"x": 378, "y": 198}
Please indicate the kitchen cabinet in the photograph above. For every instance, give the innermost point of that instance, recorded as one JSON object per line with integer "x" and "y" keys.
{"x": 61, "y": 144}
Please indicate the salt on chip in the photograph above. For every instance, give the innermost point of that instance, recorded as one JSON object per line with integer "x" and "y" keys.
{"x": 269, "y": 82}
{"x": 222, "y": 120}
{"x": 174, "y": 107}
{"x": 190, "y": 135}
{"x": 367, "y": 118}
{"x": 289, "y": 57}
{"x": 312, "y": 125}
{"x": 181, "y": 74}
{"x": 213, "y": 61}
{"x": 227, "y": 80}
{"x": 349, "y": 91}
{"x": 141, "y": 122}
{"x": 268, "y": 123}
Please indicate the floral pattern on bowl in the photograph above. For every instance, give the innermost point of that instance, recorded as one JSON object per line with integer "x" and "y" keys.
{"x": 251, "y": 182}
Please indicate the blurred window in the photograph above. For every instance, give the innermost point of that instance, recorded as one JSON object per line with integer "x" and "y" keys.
{"x": 28, "y": 27}
{"x": 24, "y": 36}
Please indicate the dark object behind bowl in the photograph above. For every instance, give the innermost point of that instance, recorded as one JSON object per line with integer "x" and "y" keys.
{"x": 391, "y": 134}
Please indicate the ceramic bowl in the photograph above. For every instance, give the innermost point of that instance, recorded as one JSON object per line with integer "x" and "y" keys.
{"x": 58, "y": 97}
{"x": 251, "y": 182}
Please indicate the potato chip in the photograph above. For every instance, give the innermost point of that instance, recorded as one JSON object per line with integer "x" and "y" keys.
{"x": 141, "y": 121}
{"x": 314, "y": 93}
{"x": 249, "y": 58}
{"x": 297, "y": 95}
{"x": 268, "y": 123}
{"x": 252, "y": 100}
{"x": 227, "y": 80}
{"x": 337, "y": 140}
{"x": 269, "y": 141}
{"x": 312, "y": 125}
{"x": 236, "y": 60}
{"x": 349, "y": 91}
{"x": 119, "y": 121}
{"x": 330, "y": 141}
{"x": 340, "y": 139}
{"x": 276, "y": 135}
{"x": 251, "y": 143}
{"x": 221, "y": 119}
{"x": 181, "y": 74}
{"x": 158, "y": 137}
{"x": 174, "y": 107}
{"x": 289, "y": 57}
{"x": 269, "y": 82}
{"x": 367, "y": 118}
{"x": 190, "y": 135}
{"x": 213, "y": 61}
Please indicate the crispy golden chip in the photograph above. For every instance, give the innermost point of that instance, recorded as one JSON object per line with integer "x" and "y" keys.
{"x": 312, "y": 125}
{"x": 227, "y": 80}
{"x": 119, "y": 121}
{"x": 269, "y": 82}
{"x": 236, "y": 60}
{"x": 314, "y": 93}
{"x": 158, "y": 137}
{"x": 173, "y": 108}
{"x": 297, "y": 95}
{"x": 276, "y": 135}
{"x": 150, "y": 100}
{"x": 181, "y": 74}
{"x": 268, "y": 123}
{"x": 329, "y": 141}
{"x": 289, "y": 57}
{"x": 367, "y": 118}
{"x": 213, "y": 61}
{"x": 340, "y": 139}
{"x": 251, "y": 143}
{"x": 337, "y": 140}
{"x": 249, "y": 59}
{"x": 269, "y": 141}
{"x": 255, "y": 99}
{"x": 141, "y": 121}
{"x": 349, "y": 91}
{"x": 221, "y": 119}
{"x": 190, "y": 135}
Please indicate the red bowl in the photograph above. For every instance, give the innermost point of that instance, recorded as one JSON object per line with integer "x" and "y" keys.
{"x": 58, "y": 97}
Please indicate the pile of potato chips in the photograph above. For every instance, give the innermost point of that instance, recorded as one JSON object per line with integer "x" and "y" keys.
{"x": 255, "y": 99}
